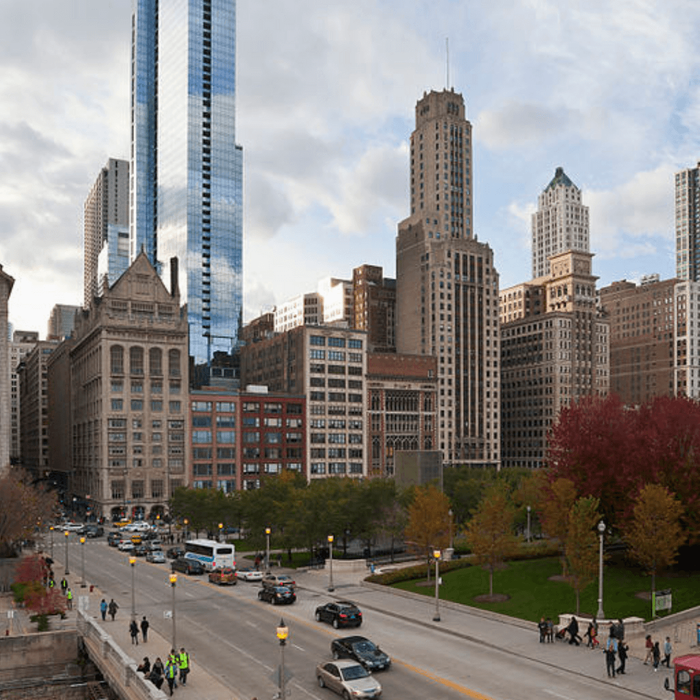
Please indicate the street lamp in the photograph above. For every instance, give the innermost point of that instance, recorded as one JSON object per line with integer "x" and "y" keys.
{"x": 282, "y": 634}
{"x": 330, "y": 549}
{"x": 436, "y": 616}
{"x": 51, "y": 535}
{"x": 451, "y": 514}
{"x": 173, "y": 581}
{"x": 82, "y": 557}
{"x": 67, "y": 534}
{"x": 187, "y": 531}
{"x": 132, "y": 564}
{"x": 221, "y": 531}
{"x": 601, "y": 531}
{"x": 267, "y": 555}
{"x": 528, "y": 524}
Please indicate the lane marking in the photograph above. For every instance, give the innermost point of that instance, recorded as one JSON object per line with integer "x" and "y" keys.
{"x": 443, "y": 681}
{"x": 558, "y": 695}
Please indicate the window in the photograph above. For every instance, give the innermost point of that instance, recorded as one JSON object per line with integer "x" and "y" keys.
{"x": 156, "y": 387}
{"x": 174, "y": 387}
{"x": 336, "y": 355}
{"x": 273, "y": 422}
{"x": 294, "y": 422}
{"x": 117, "y": 385}
{"x": 294, "y": 409}
{"x": 251, "y": 468}
{"x": 225, "y": 421}
{"x": 156, "y": 406}
{"x": 137, "y": 490}
{"x": 157, "y": 488}
{"x": 226, "y": 437}
{"x": 317, "y": 354}
{"x": 173, "y": 363}
{"x": 201, "y": 421}
{"x": 251, "y": 452}
{"x": 201, "y": 453}
{"x": 117, "y": 423}
{"x": 273, "y": 408}
{"x": 226, "y": 469}
{"x": 355, "y": 343}
{"x": 251, "y": 436}
{"x": 336, "y": 342}
{"x": 116, "y": 359}
{"x": 273, "y": 438}
{"x": 117, "y": 405}
{"x": 317, "y": 340}
{"x": 355, "y": 357}
{"x": 251, "y": 422}
{"x": 202, "y": 469}
{"x": 201, "y": 437}
{"x": 201, "y": 406}
{"x": 225, "y": 453}
{"x": 175, "y": 407}
{"x": 225, "y": 407}
{"x": 137, "y": 387}
{"x": 293, "y": 437}
{"x": 155, "y": 362}
{"x": 251, "y": 407}
{"x": 136, "y": 360}
{"x": 136, "y": 405}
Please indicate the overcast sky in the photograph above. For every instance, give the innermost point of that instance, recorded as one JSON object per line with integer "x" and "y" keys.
{"x": 325, "y": 107}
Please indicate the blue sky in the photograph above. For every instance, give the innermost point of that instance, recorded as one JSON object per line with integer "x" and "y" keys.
{"x": 325, "y": 107}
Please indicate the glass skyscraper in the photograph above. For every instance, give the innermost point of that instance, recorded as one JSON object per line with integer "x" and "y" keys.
{"x": 186, "y": 192}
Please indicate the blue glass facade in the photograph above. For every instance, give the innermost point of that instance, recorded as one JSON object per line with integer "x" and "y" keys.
{"x": 187, "y": 174}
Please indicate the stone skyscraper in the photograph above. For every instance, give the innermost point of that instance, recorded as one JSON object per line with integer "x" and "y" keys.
{"x": 447, "y": 286}
{"x": 688, "y": 224}
{"x": 186, "y": 169}
{"x": 560, "y": 223}
{"x": 6, "y": 284}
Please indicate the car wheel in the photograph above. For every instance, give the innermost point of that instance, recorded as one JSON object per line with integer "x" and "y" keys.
{"x": 346, "y": 695}
{"x": 274, "y": 601}
{"x": 318, "y": 617}
{"x": 321, "y": 684}
{"x": 335, "y": 623}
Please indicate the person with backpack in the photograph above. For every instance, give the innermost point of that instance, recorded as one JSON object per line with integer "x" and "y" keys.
{"x": 134, "y": 632}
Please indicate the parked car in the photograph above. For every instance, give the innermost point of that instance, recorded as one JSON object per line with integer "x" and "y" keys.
{"x": 191, "y": 567}
{"x": 94, "y": 531}
{"x": 114, "y": 538}
{"x": 125, "y": 546}
{"x": 361, "y": 650}
{"x": 277, "y": 595}
{"x": 140, "y": 550}
{"x": 174, "y": 552}
{"x": 72, "y": 527}
{"x": 342, "y": 613}
{"x": 248, "y": 574}
{"x": 156, "y": 556}
{"x": 348, "y": 678}
{"x": 224, "y": 575}
{"x": 271, "y": 580}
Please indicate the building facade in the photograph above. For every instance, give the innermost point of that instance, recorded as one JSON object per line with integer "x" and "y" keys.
{"x": 186, "y": 192}
{"x": 21, "y": 345}
{"x": 560, "y": 223}
{"x": 687, "y": 213}
{"x": 61, "y": 321}
{"x": 128, "y": 384}
{"x": 554, "y": 350}
{"x": 374, "y": 307}
{"x": 447, "y": 285}
{"x": 6, "y": 284}
{"x": 106, "y": 229}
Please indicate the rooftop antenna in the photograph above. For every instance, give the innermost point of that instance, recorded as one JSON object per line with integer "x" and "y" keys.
{"x": 447, "y": 62}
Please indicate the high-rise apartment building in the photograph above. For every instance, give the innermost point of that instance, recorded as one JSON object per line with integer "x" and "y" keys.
{"x": 560, "y": 223}
{"x": 447, "y": 285}
{"x": 186, "y": 191}
{"x": 21, "y": 345}
{"x": 6, "y": 284}
{"x": 688, "y": 224}
{"x": 106, "y": 229}
{"x": 374, "y": 305}
{"x": 62, "y": 321}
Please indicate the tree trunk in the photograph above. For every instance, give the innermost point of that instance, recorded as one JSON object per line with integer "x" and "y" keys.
{"x": 578, "y": 602}
{"x": 491, "y": 581}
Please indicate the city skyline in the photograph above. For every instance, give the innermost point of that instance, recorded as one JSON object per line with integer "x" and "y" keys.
{"x": 326, "y": 186}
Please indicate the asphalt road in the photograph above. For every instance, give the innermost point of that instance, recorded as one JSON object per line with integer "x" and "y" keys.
{"x": 232, "y": 634}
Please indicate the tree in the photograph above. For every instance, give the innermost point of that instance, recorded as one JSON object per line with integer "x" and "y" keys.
{"x": 655, "y": 533}
{"x": 582, "y": 545}
{"x": 490, "y": 531}
{"x": 558, "y": 498}
{"x": 428, "y": 522}
{"x": 29, "y": 589}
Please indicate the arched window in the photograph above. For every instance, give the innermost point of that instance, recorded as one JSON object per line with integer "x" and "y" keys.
{"x": 155, "y": 362}
{"x": 116, "y": 359}
{"x": 136, "y": 360}
{"x": 174, "y": 363}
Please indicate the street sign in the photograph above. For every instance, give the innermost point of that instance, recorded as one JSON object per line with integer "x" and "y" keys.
{"x": 662, "y": 600}
{"x": 10, "y": 614}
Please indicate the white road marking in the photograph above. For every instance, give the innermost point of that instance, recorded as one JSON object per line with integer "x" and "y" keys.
{"x": 296, "y": 646}
{"x": 558, "y": 695}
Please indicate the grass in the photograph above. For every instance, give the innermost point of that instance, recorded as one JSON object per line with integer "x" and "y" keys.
{"x": 533, "y": 595}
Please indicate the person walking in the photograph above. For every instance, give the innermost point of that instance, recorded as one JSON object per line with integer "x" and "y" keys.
{"x": 134, "y": 632}
{"x": 550, "y": 631}
{"x": 184, "y": 664}
{"x": 622, "y": 650}
{"x": 656, "y": 652}
{"x": 144, "y": 629}
{"x": 174, "y": 660}
{"x": 170, "y": 675}
{"x": 610, "y": 652}
{"x": 542, "y": 627}
{"x": 572, "y": 629}
{"x": 64, "y": 585}
{"x": 112, "y": 609}
{"x": 157, "y": 673}
{"x": 668, "y": 649}
{"x": 649, "y": 646}
{"x": 69, "y": 598}
{"x": 103, "y": 609}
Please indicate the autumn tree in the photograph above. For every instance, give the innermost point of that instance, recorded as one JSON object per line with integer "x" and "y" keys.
{"x": 490, "y": 531}
{"x": 582, "y": 545}
{"x": 654, "y": 533}
{"x": 29, "y": 588}
{"x": 428, "y": 522}
{"x": 555, "y": 506}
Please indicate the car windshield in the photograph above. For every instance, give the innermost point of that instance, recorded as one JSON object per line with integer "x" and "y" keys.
{"x": 364, "y": 647}
{"x": 352, "y": 673}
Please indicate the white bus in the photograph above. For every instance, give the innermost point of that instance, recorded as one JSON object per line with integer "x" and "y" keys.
{"x": 211, "y": 554}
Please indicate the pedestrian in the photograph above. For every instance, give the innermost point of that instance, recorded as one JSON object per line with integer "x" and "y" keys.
{"x": 620, "y": 630}
{"x": 103, "y": 609}
{"x": 656, "y": 652}
{"x": 572, "y": 629}
{"x": 170, "y": 675}
{"x": 64, "y": 585}
{"x": 184, "y": 664}
{"x": 622, "y": 650}
{"x": 591, "y": 635}
{"x": 69, "y": 598}
{"x": 112, "y": 608}
{"x": 649, "y": 646}
{"x": 144, "y": 667}
{"x": 157, "y": 673}
{"x": 667, "y": 653}
{"x": 550, "y": 630}
{"x": 542, "y": 627}
{"x": 258, "y": 559}
{"x": 174, "y": 660}
{"x": 134, "y": 632}
{"x": 610, "y": 652}
{"x": 144, "y": 629}
{"x": 52, "y": 582}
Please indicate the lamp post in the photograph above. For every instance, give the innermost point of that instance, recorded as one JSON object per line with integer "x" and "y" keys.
{"x": 187, "y": 531}
{"x": 82, "y": 562}
{"x": 132, "y": 564}
{"x": 282, "y": 634}
{"x": 51, "y": 536}
{"x": 436, "y": 616}
{"x": 601, "y": 531}
{"x": 221, "y": 532}
{"x": 330, "y": 550}
{"x": 528, "y": 524}
{"x": 452, "y": 515}
{"x": 67, "y": 534}
{"x": 173, "y": 581}
{"x": 267, "y": 554}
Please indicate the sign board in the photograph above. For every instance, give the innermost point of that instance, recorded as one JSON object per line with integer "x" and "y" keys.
{"x": 10, "y": 614}
{"x": 662, "y": 600}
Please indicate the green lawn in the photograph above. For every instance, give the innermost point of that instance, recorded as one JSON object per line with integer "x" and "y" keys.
{"x": 532, "y": 594}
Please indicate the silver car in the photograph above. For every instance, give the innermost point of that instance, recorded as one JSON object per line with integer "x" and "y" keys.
{"x": 348, "y": 678}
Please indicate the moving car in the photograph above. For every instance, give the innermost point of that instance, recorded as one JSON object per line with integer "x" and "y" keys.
{"x": 94, "y": 531}
{"x": 362, "y": 650}
{"x": 156, "y": 556}
{"x": 114, "y": 538}
{"x": 277, "y": 595}
{"x": 140, "y": 550}
{"x": 191, "y": 567}
{"x": 348, "y": 678}
{"x": 72, "y": 527}
{"x": 248, "y": 574}
{"x": 279, "y": 580}
{"x": 125, "y": 546}
{"x": 174, "y": 552}
{"x": 224, "y": 575}
{"x": 340, "y": 613}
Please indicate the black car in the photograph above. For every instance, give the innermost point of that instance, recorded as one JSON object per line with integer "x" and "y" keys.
{"x": 175, "y": 552}
{"x": 114, "y": 538}
{"x": 191, "y": 567}
{"x": 140, "y": 550}
{"x": 277, "y": 595}
{"x": 94, "y": 531}
{"x": 342, "y": 613}
{"x": 362, "y": 650}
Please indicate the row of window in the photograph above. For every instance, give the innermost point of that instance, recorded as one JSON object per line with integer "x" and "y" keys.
{"x": 352, "y": 343}
{"x": 138, "y": 405}
{"x": 247, "y": 406}
{"x": 137, "y": 361}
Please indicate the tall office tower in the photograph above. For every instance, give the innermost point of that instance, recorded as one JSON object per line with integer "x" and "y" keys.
{"x": 374, "y": 305}
{"x": 186, "y": 191}
{"x": 559, "y": 224}
{"x": 22, "y": 344}
{"x": 688, "y": 224}
{"x": 61, "y": 321}
{"x": 6, "y": 283}
{"x": 447, "y": 286}
{"x": 106, "y": 226}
